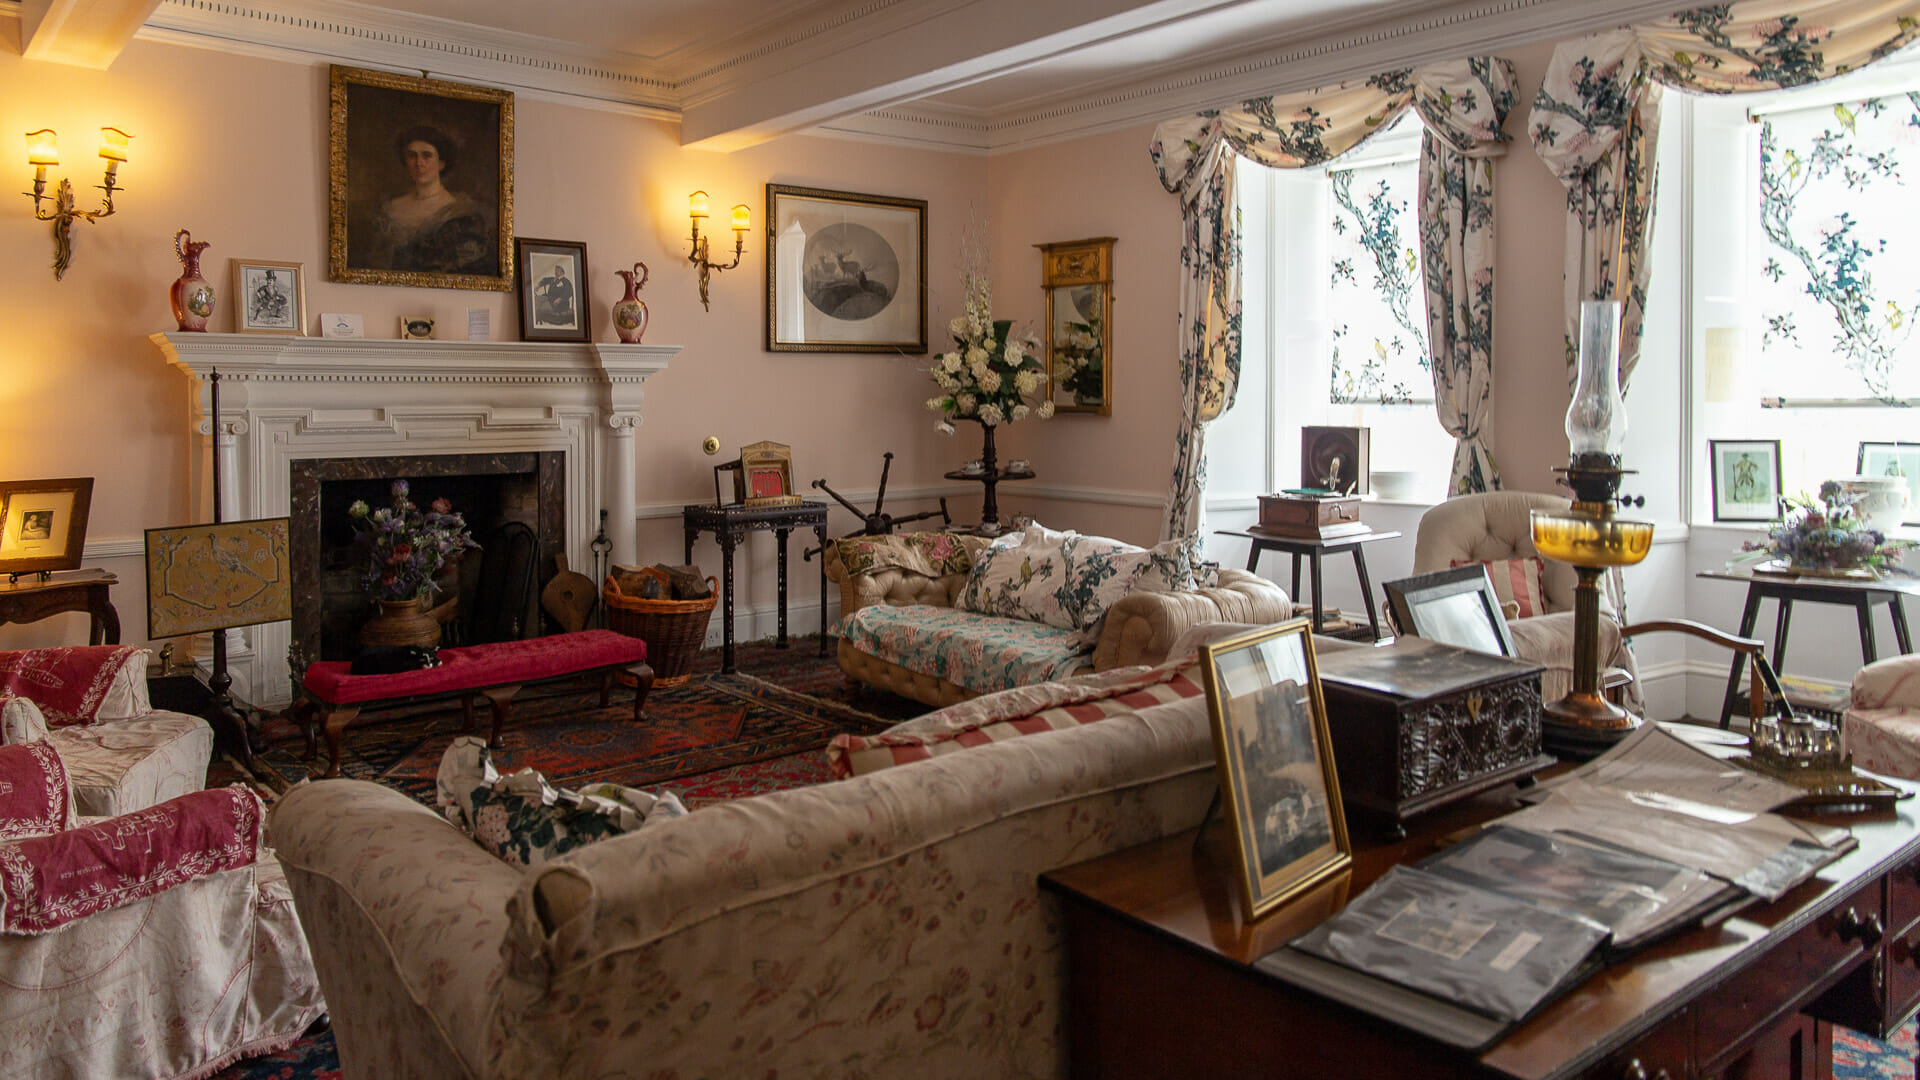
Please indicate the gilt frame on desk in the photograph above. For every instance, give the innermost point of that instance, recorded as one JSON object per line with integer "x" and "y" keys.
{"x": 43, "y": 523}
{"x": 1274, "y": 754}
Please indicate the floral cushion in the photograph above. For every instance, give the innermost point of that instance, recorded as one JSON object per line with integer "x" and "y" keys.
{"x": 1517, "y": 582}
{"x": 934, "y": 554}
{"x": 20, "y": 721}
{"x": 983, "y": 653}
{"x": 35, "y": 796}
{"x": 79, "y": 684}
{"x": 1068, "y": 580}
{"x": 522, "y": 819}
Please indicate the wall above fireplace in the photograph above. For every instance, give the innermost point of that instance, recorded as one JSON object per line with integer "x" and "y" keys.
{"x": 284, "y": 399}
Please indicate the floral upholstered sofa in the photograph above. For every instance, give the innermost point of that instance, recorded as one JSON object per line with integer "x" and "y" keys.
{"x": 941, "y": 617}
{"x": 885, "y": 925}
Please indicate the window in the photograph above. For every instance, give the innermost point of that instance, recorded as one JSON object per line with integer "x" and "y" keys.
{"x": 1334, "y": 324}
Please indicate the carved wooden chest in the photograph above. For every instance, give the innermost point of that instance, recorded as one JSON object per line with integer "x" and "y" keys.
{"x": 1417, "y": 725}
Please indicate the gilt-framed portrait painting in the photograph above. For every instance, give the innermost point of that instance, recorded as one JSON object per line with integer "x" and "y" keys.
{"x": 419, "y": 182}
{"x": 845, "y": 272}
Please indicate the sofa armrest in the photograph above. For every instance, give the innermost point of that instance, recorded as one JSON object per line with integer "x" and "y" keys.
{"x": 1893, "y": 683}
{"x": 406, "y": 916}
{"x": 893, "y": 586}
{"x": 1142, "y": 626}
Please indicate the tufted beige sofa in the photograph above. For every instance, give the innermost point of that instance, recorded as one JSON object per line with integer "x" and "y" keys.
{"x": 1139, "y": 629}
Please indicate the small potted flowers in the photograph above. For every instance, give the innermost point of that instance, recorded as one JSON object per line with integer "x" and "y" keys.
{"x": 405, "y": 549}
{"x": 1828, "y": 536}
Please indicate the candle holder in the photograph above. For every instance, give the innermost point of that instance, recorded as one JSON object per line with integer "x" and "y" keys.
{"x": 697, "y": 209}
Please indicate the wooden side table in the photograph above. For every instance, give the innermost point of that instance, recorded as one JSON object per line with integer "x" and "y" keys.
{"x": 1314, "y": 550}
{"x": 730, "y": 525}
{"x": 30, "y": 600}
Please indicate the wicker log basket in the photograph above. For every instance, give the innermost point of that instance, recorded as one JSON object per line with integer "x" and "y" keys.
{"x": 673, "y": 629}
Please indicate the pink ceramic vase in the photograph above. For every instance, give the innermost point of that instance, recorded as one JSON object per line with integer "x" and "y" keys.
{"x": 630, "y": 313}
{"x": 192, "y": 296}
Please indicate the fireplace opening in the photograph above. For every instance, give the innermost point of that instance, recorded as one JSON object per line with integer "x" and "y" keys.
{"x": 512, "y": 501}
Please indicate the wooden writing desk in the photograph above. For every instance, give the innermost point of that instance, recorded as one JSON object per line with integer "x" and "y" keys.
{"x": 30, "y": 600}
{"x": 1161, "y": 981}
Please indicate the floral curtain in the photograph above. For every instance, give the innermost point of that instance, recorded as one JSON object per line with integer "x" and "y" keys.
{"x": 1594, "y": 121}
{"x": 1195, "y": 158}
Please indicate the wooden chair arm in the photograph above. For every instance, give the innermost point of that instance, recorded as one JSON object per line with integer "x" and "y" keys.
{"x": 1751, "y": 646}
{"x": 1759, "y": 687}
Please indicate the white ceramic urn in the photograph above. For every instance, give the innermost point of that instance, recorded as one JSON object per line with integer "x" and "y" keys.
{"x": 1882, "y": 502}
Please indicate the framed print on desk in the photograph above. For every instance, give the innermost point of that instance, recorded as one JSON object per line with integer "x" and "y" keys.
{"x": 1746, "y": 479}
{"x": 1275, "y": 759}
{"x": 552, "y": 290}
{"x": 43, "y": 523}
{"x": 845, "y": 272}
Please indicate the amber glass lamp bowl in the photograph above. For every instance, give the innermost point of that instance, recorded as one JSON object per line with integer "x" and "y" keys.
{"x": 1580, "y": 538}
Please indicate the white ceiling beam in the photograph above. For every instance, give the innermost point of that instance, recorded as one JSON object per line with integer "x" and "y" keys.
{"x": 939, "y": 48}
{"x": 84, "y": 33}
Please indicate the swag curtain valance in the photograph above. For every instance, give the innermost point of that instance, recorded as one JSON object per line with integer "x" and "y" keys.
{"x": 1595, "y": 120}
{"x": 1463, "y": 105}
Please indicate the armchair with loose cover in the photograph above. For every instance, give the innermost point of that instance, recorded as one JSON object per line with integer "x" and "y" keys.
{"x": 1882, "y": 721}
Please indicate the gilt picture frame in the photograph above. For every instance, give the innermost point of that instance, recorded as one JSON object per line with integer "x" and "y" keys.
{"x": 551, "y": 287}
{"x": 1077, "y": 276}
{"x": 845, "y": 272}
{"x": 1274, "y": 755}
{"x": 43, "y": 523}
{"x": 419, "y": 182}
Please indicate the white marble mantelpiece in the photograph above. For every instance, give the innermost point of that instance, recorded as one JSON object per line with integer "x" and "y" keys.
{"x": 291, "y": 398}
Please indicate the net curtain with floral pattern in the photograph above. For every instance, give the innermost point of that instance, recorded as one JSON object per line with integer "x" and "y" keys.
{"x": 1463, "y": 105}
{"x": 1595, "y": 120}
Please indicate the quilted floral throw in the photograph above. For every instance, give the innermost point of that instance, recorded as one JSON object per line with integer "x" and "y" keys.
{"x": 69, "y": 684}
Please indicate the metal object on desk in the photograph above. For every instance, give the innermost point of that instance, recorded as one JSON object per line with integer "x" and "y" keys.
{"x": 729, "y": 526}
{"x": 1314, "y": 549}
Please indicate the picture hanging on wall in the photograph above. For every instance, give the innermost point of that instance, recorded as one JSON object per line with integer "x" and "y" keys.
{"x": 845, "y": 272}
{"x": 1746, "y": 479}
{"x": 420, "y": 182}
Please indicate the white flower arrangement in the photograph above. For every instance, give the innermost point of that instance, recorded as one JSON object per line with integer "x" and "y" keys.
{"x": 990, "y": 372}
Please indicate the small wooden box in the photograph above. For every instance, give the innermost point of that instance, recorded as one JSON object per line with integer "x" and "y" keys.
{"x": 1310, "y": 518}
{"x": 1417, "y": 725}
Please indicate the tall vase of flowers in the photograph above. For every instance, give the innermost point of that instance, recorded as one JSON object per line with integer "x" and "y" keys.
{"x": 405, "y": 549}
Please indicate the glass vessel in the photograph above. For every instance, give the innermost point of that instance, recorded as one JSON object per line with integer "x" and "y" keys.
{"x": 1597, "y": 416}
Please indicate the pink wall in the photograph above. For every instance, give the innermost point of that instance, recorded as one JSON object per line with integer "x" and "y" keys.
{"x": 235, "y": 148}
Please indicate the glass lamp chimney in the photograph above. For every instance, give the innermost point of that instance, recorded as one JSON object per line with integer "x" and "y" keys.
{"x": 1597, "y": 417}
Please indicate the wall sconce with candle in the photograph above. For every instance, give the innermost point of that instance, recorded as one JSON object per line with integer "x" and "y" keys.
{"x": 742, "y": 221}
{"x": 42, "y": 151}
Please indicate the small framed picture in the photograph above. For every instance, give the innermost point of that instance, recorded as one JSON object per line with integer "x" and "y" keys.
{"x": 1455, "y": 607}
{"x": 1894, "y": 459}
{"x": 552, "y": 290}
{"x": 1275, "y": 759}
{"x": 1746, "y": 479}
{"x": 416, "y": 328}
{"x": 43, "y": 523}
{"x": 845, "y": 272}
{"x": 269, "y": 297}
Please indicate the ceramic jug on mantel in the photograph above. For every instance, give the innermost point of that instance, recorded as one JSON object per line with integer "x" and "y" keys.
{"x": 630, "y": 313}
{"x": 192, "y": 296}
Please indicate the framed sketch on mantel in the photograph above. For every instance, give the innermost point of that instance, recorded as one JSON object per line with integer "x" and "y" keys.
{"x": 845, "y": 272}
{"x": 419, "y": 182}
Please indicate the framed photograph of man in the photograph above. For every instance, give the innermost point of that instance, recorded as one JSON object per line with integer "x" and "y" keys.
{"x": 1746, "y": 479}
{"x": 1275, "y": 759}
{"x": 420, "y": 182}
{"x": 552, "y": 290}
{"x": 269, "y": 297}
{"x": 845, "y": 272}
{"x": 1894, "y": 459}
{"x": 43, "y": 523}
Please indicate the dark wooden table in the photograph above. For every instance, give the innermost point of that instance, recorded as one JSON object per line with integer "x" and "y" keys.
{"x": 1859, "y": 594}
{"x": 1314, "y": 551}
{"x": 730, "y": 525}
{"x": 1161, "y": 978}
{"x": 30, "y": 600}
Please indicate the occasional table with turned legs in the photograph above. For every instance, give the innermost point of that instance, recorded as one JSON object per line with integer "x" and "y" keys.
{"x": 729, "y": 525}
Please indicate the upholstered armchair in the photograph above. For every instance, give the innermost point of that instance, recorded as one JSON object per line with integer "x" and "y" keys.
{"x": 162, "y": 943}
{"x": 1882, "y": 721}
{"x": 91, "y": 703}
{"x": 1493, "y": 527}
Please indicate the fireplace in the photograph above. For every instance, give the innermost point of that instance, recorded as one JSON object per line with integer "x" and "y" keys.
{"x": 297, "y": 412}
{"x": 489, "y": 490}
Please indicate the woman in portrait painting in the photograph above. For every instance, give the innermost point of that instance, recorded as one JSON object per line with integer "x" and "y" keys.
{"x": 429, "y": 227}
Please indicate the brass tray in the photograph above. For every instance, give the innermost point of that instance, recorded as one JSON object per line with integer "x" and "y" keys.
{"x": 1827, "y": 787}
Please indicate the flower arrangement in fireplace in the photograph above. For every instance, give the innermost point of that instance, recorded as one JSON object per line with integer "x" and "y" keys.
{"x": 407, "y": 547}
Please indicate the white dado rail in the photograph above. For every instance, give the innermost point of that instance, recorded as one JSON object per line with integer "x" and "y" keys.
{"x": 284, "y": 399}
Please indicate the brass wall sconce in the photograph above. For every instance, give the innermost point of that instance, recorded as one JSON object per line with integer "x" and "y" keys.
{"x": 42, "y": 151}
{"x": 742, "y": 221}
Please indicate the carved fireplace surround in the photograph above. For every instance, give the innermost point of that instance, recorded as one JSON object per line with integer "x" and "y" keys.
{"x": 284, "y": 399}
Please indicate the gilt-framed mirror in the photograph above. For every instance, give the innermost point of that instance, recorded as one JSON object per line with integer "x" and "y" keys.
{"x": 1078, "y": 278}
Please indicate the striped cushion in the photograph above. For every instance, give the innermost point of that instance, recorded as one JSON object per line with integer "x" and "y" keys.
{"x": 853, "y": 755}
{"x": 1517, "y": 582}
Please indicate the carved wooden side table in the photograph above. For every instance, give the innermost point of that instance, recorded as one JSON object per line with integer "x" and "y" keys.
{"x": 730, "y": 525}
{"x": 30, "y": 600}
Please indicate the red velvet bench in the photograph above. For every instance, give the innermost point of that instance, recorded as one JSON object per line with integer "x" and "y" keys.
{"x": 495, "y": 671}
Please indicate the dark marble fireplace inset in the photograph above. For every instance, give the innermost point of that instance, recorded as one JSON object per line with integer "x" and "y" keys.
{"x": 487, "y": 489}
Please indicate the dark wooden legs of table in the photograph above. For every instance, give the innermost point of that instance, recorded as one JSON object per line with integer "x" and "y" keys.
{"x": 1783, "y": 595}
{"x": 820, "y": 534}
{"x": 729, "y": 527}
{"x": 1314, "y": 577}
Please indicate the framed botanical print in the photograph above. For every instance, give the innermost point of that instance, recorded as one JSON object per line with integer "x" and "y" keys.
{"x": 1275, "y": 758}
{"x": 551, "y": 286}
{"x": 269, "y": 297}
{"x": 43, "y": 523}
{"x": 1746, "y": 479}
{"x": 845, "y": 272}
{"x": 419, "y": 182}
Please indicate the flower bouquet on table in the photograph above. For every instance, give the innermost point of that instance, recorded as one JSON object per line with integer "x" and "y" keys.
{"x": 1825, "y": 536}
{"x": 407, "y": 547}
{"x": 990, "y": 372}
